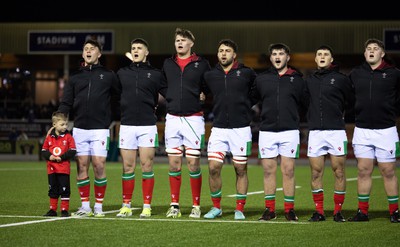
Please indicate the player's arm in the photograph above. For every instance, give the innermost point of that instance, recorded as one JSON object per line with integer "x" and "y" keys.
{"x": 70, "y": 154}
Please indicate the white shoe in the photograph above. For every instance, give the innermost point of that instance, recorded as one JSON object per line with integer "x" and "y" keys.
{"x": 173, "y": 212}
{"x": 196, "y": 212}
{"x": 83, "y": 212}
{"x": 98, "y": 213}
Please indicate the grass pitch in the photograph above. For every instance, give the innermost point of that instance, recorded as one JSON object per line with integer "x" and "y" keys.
{"x": 23, "y": 201}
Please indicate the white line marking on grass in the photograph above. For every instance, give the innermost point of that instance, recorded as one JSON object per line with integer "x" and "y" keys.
{"x": 355, "y": 179}
{"x": 47, "y": 218}
{"x": 297, "y": 187}
{"x": 32, "y": 222}
{"x": 202, "y": 221}
{"x": 139, "y": 219}
{"x": 260, "y": 192}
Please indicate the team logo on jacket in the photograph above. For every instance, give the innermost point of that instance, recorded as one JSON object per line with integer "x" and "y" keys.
{"x": 101, "y": 76}
{"x": 64, "y": 142}
{"x": 292, "y": 151}
{"x": 332, "y": 81}
{"x": 148, "y": 75}
{"x": 291, "y": 79}
{"x": 384, "y": 75}
{"x": 196, "y": 64}
{"x": 339, "y": 148}
{"x": 238, "y": 73}
{"x": 151, "y": 140}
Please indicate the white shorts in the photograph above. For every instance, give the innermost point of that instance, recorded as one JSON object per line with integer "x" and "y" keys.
{"x": 272, "y": 144}
{"x": 91, "y": 142}
{"x": 377, "y": 144}
{"x": 187, "y": 131}
{"x": 237, "y": 141}
{"x": 322, "y": 142}
{"x": 132, "y": 137}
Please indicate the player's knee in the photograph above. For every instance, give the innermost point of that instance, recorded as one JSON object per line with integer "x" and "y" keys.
{"x": 192, "y": 153}
{"x": 216, "y": 156}
{"x": 174, "y": 151}
{"x": 241, "y": 160}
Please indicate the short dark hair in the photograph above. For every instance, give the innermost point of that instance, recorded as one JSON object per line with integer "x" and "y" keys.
{"x": 184, "y": 33}
{"x": 375, "y": 41}
{"x": 140, "y": 41}
{"x": 279, "y": 46}
{"x": 325, "y": 47}
{"x": 94, "y": 43}
{"x": 229, "y": 43}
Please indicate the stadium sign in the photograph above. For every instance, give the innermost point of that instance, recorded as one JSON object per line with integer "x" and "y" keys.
{"x": 67, "y": 41}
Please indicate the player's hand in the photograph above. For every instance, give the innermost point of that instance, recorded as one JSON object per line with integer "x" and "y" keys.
{"x": 202, "y": 96}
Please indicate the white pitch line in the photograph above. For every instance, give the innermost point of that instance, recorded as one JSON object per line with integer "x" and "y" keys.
{"x": 200, "y": 221}
{"x": 47, "y": 219}
{"x": 32, "y": 222}
{"x": 355, "y": 179}
{"x": 148, "y": 219}
{"x": 280, "y": 189}
{"x": 260, "y": 192}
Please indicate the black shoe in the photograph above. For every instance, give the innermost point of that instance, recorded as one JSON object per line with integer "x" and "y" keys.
{"x": 291, "y": 215}
{"x": 267, "y": 215}
{"x": 64, "y": 213}
{"x": 338, "y": 217}
{"x": 51, "y": 213}
{"x": 359, "y": 216}
{"x": 317, "y": 217}
{"x": 395, "y": 217}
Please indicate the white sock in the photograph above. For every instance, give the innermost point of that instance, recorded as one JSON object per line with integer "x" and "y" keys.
{"x": 86, "y": 205}
{"x": 98, "y": 206}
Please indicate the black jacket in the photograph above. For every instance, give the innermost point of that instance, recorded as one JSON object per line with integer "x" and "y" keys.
{"x": 231, "y": 95}
{"x": 140, "y": 84}
{"x": 281, "y": 98}
{"x": 376, "y": 93}
{"x": 329, "y": 93}
{"x": 184, "y": 87}
{"x": 88, "y": 95}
